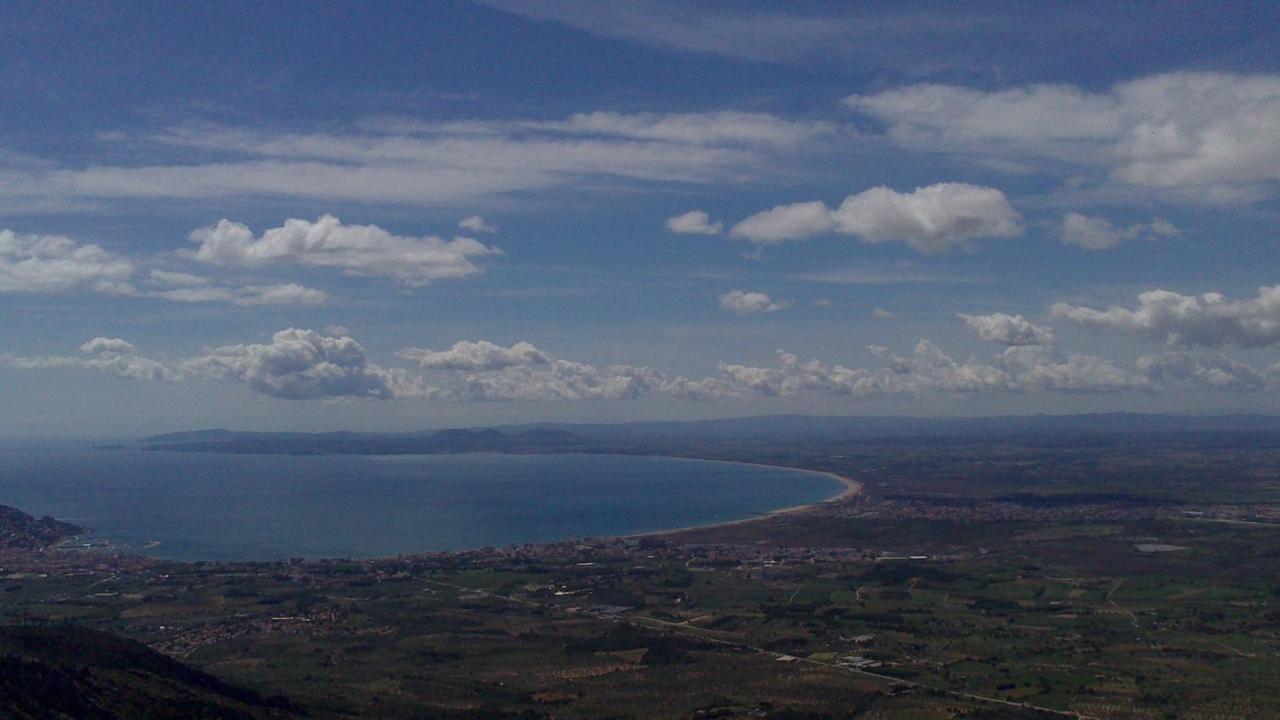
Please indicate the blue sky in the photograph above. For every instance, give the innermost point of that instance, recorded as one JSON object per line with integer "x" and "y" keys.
{"x": 370, "y": 216}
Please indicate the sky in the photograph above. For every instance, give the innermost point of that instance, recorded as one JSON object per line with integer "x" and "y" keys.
{"x": 381, "y": 216}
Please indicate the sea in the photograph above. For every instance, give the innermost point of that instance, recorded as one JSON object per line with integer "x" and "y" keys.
{"x": 216, "y": 506}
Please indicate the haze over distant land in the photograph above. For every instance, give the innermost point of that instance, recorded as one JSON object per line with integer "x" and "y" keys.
{"x": 1087, "y": 429}
{"x": 477, "y": 214}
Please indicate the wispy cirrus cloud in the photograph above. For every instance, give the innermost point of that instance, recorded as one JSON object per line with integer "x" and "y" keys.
{"x": 431, "y": 164}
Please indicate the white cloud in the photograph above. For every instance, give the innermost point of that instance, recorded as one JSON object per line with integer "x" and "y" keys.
{"x": 1096, "y": 233}
{"x": 694, "y": 222}
{"x": 1177, "y": 320}
{"x": 929, "y": 219}
{"x": 476, "y": 224}
{"x": 39, "y": 363}
{"x": 283, "y": 294}
{"x": 52, "y": 263}
{"x": 1007, "y": 329}
{"x": 785, "y": 222}
{"x": 1198, "y": 370}
{"x": 120, "y": 358}
{"x": 929, "y": 369}
{"x": 355, "y": 249}
{"x": 108, "y": 345}
{"x": 485, "y": 371}
{"x": 838, "y": 37}
{"x": 1210, "y": 135}
{"x": 177, "y": 279}
{"x": 882, "y": 314}
{"x": 750, "y": 303}
{"x": 476, "y": 356}
{"x": 303, "y": 365}
{"x": 434, "y": 164}
{"x": 714, "y": 128}
{"x": 110, "y": 355}
{"x": 1035, "y": 368}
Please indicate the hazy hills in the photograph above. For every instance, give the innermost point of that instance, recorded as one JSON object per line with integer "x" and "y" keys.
{"x": 1093, "y": 428}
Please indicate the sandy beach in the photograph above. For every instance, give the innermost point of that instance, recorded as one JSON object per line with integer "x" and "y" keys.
{"x": 851, "y": 488}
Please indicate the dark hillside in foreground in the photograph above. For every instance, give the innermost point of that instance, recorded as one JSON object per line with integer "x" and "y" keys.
{"x": 49, "y": 673}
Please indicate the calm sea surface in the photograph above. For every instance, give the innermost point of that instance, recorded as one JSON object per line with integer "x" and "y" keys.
{"x": 212, "y": 506}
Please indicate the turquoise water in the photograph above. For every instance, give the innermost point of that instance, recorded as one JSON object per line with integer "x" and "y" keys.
{"x": 211, "y": 506}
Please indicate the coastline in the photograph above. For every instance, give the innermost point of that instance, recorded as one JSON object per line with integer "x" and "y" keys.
{"x": 849, "y": 488}
{"x": 852, "y": 488}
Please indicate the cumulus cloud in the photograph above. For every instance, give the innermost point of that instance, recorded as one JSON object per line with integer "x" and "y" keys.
{"x": 303, "y": 365}
{"x": 882, "y": 314}
{"x": 477, "y": 356}
{"x": 108, "y": 345}
{"x": 1007, "y": 329}
{"x": 1179, "y": 321}
{"x": 929, "y": 369}
{"x": 110, "y": 355}
{"x": 52, "y": 263}
{"x": 485, "y": 371}
{"x": 694, "y": 222}
{"x": 930, "y": 219}
{"x": 1096, "y": 233}
{"x": 476, "y": 224}
{"x": 1217, "y": 134}
{"x": 1202, "y": 371}
{"x": 307, "y": 365}
{"x": 355, "y": 249}
{"x": 121, "y": 358}
{"x": 750, "y": 303}
{"x": 785, "y": 222}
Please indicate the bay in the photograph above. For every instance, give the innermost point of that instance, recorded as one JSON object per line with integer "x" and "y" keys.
{"x": 213, "y": 506}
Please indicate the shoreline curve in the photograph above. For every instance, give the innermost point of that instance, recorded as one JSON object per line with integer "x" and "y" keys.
{"x": 852, "y": 488}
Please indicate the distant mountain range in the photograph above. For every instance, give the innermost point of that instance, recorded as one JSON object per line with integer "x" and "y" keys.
{"x": 1092, "y": 428}
{"x": 427, "y": 442}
